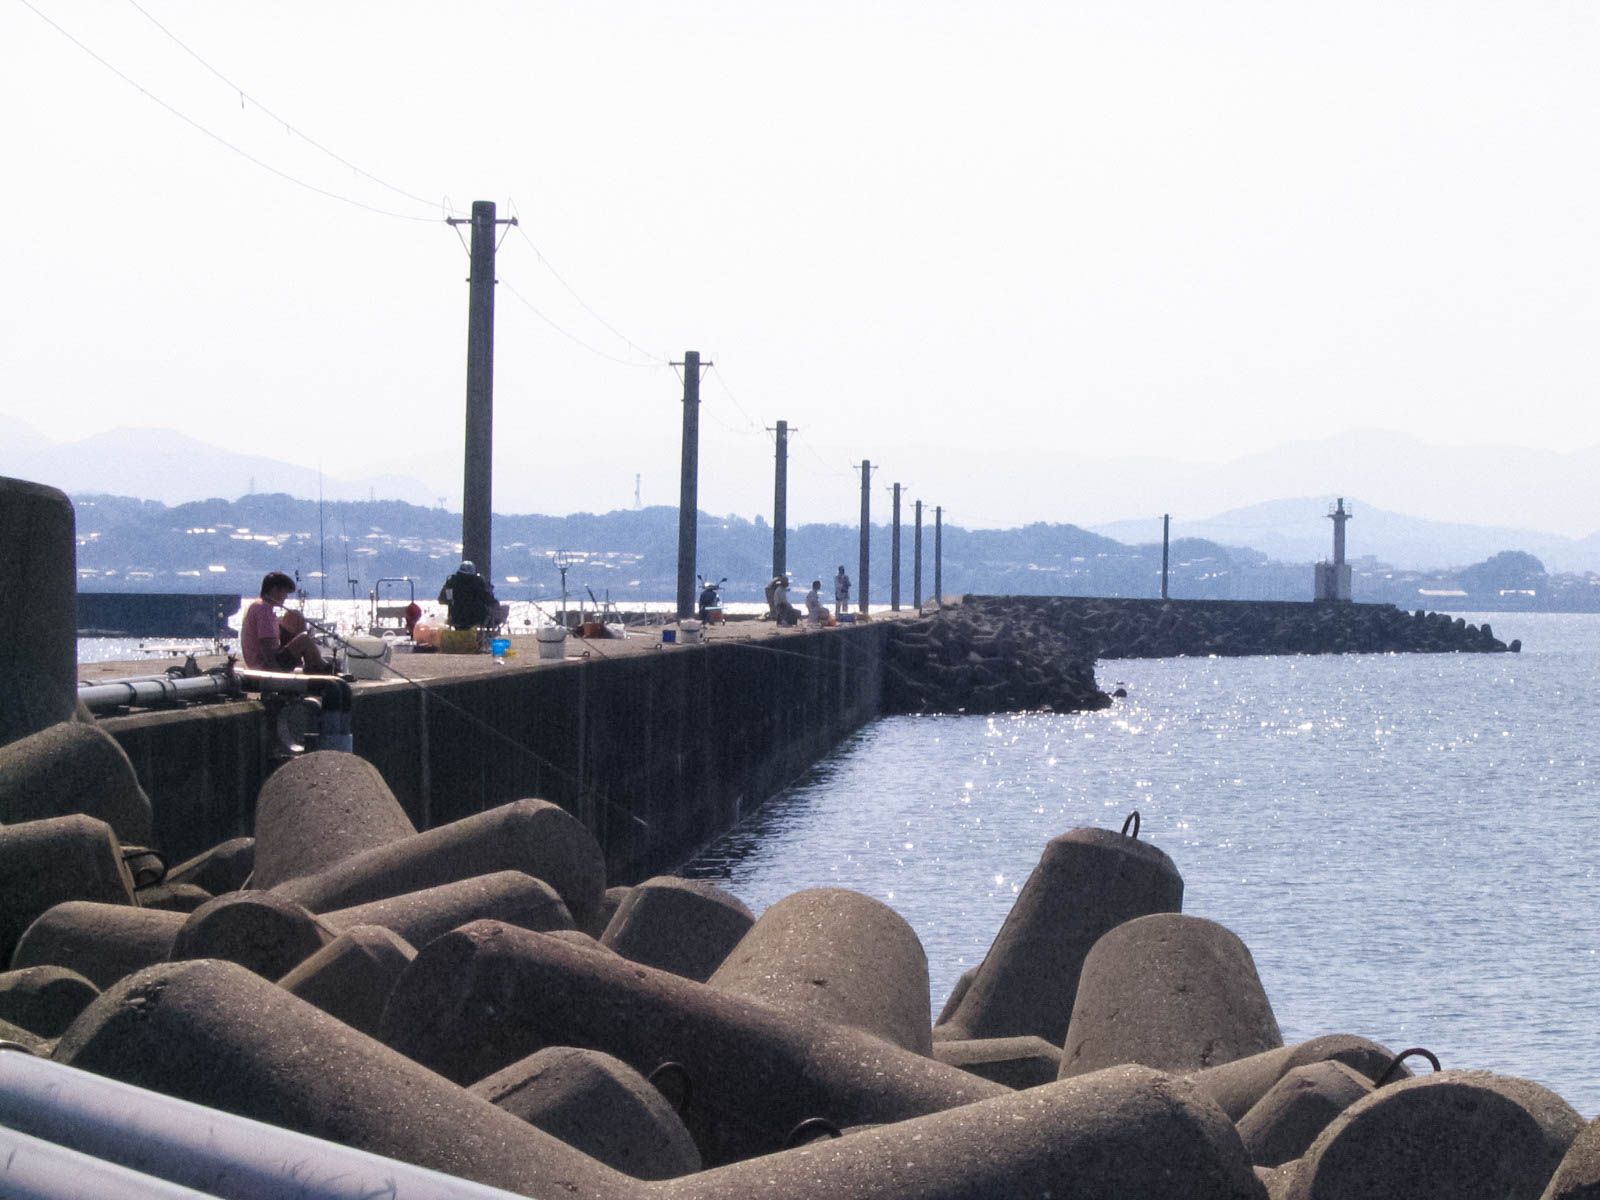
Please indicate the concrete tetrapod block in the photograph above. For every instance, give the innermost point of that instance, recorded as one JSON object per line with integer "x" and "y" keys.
{"x": 319, "y": 809}
{"x": 952, "y": 1002}
{"x": 686, "y": 926}
{"x": 488, "y": 994}
{"x": 44, "y": 863}
{"x": 44, "y": 1000}
{"x": 1578, "y": 1176}
{"x": 1282, "y": 1124}
{"x": 179, "y": 897}
{"x": 1128, "y": 1133}
{"x": 351, "y": 977}
{"x": 419, "y": 917}
{"x": 225, "y": 867}
{"x": 1172, "y": 992}
{"x": 597, "y": 1104}
{"x": 1088, "y": 881}
{"x": 38, "y": 617}
{"x": 102, "y": 942}
{"x": 30, "y": 1041}
{"x": 532, "y": 836}
{"x": 1451, "y": 1135}
{"x": 838, "y": 955}
{"x": 266, "y": 933}
{"x": 1237, "y": 1086}
{"x": 1017, "y": 1062}
{"x": 73, "y": 768}
{"x": 600, "y": 917}
{"x": 219, "y": 1035}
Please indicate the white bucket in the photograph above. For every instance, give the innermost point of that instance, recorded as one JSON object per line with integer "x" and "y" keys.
{"x": 689, "y": 630}
{"x": 552, "y": 641}
{"x": 364, "y": 657}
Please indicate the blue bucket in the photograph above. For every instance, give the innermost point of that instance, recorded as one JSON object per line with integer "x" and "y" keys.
{"x": 669, "y": 635}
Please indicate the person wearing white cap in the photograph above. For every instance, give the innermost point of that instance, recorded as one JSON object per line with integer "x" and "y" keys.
{"x": 466, "y": 597}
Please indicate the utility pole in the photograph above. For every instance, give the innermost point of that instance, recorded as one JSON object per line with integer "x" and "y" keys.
{"x": 916, "y": 562}
{"x": 689, "y": 489}
{"x": 477, "y": 492}
{"x": 780, "y": 503}
{"x": 938, "y": 556}
{"x": 1166, "y": 537}
{"x": 866, "y": 531}
{"x": 894, "y": 556}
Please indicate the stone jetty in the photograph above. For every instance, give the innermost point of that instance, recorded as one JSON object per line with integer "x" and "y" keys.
{"x": 991, "y": 654}
{"x": 474, "y": 1000}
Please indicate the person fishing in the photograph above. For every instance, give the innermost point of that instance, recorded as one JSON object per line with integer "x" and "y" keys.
{"x": 466, "y": 597}
{"x": 271, "y": 643}
{"x": 841, "y": 593}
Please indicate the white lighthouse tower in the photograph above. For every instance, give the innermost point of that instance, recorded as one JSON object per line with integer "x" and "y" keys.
{"x": 1333, "y": 578}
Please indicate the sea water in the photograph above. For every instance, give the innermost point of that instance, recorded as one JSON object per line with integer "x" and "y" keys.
{"x": 1406, "y": 843}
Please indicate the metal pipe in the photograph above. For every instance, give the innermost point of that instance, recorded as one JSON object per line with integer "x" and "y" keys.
{"x": 39, "y": 1170}
{"x": 193, "y": 1146}
{"x": 148, "y": 690}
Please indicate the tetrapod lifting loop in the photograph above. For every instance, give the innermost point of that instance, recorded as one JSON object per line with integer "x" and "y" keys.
{"x": 802, "y": 1132}
{"x": 1133, "y": 819}
{"x": 1394, "y": 1067}
{"x": 671, "y": 1079}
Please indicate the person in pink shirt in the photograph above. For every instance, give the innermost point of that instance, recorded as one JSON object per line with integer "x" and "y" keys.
{"x": 271, "y": 645}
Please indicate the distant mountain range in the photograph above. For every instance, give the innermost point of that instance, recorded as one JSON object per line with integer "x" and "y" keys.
{"x": 1545, "y": 490}
{"x": 1290, "y": 531}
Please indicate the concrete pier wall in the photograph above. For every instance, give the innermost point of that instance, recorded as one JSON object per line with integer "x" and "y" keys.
{"x": 655, "y": 753}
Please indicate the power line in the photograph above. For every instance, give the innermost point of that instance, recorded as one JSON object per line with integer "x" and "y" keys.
{"x": 217, "y": 137}
{"x": 544, "y": 262}
{"x": 244, "y": 96}
{"x": 570, "y": 336}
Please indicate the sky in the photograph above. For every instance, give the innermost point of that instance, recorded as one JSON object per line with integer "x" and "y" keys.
{"x": 969, "y": 243}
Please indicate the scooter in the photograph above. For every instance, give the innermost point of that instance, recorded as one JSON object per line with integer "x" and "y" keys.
{"x": 711, "y": 600}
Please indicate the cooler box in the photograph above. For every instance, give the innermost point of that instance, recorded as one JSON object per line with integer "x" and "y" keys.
{"x": 552, "y": 641}
{"x": 365, "y": 657}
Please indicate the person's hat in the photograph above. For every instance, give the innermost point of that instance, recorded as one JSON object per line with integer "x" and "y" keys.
{"x": 468, "y": 568}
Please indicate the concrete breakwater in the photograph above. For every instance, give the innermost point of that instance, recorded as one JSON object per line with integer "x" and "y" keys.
{"x": 1011, "y": 653}
{"x": 475, "y": 999}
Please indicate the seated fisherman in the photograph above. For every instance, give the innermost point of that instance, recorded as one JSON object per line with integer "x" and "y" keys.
{"x": 466, "y": 598}
{"x": 815, "y": 610}
{"x": 271, "y": 644}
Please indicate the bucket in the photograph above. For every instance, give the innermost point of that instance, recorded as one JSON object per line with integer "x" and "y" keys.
{"x": 669, "y": 636}
{"x": 364, "y": 657}
{"x": 552, "y": 641}
{"x": 499, "y": 646}
{"x": 689, "y": 631}
{"x": 458, "y": 641}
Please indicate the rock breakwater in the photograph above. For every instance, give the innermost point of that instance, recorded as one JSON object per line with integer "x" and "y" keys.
{"x": 991, "y": 654}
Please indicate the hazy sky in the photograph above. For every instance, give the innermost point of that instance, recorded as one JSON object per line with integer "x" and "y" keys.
{"x": 914, "y": 231}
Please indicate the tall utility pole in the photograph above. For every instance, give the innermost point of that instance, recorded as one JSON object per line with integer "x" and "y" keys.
{"x": 689, "y": 491}
{"x": 1166, "y": 536}
{"x": 866, "y": 532}
{"x": 894, "y": 556}
{"x": 916, "y": 562}
{"x": 477, "y": 491}
{"x": 938, "y": 556}
{"x": 780, "y": 503}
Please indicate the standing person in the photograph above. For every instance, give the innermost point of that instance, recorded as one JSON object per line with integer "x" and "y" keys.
{"x": 271, "y": 644}
{"x": 841, "y": 593}
{"x": 466, "y": 597}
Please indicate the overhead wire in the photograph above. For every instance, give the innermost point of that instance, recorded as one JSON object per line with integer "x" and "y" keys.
{"x": 245, "y": 96}
{"x": 214, "y": 136}
{"x": 548, "y": 266}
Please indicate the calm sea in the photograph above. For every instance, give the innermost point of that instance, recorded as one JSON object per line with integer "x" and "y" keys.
{"x": 1407, "y": 844}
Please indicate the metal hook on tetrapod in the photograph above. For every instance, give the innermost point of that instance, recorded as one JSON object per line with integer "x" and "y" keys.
{"x": 1394, "y": 1067}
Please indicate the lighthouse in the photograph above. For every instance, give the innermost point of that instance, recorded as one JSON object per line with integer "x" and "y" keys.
{"x": 1332, "y": 581}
